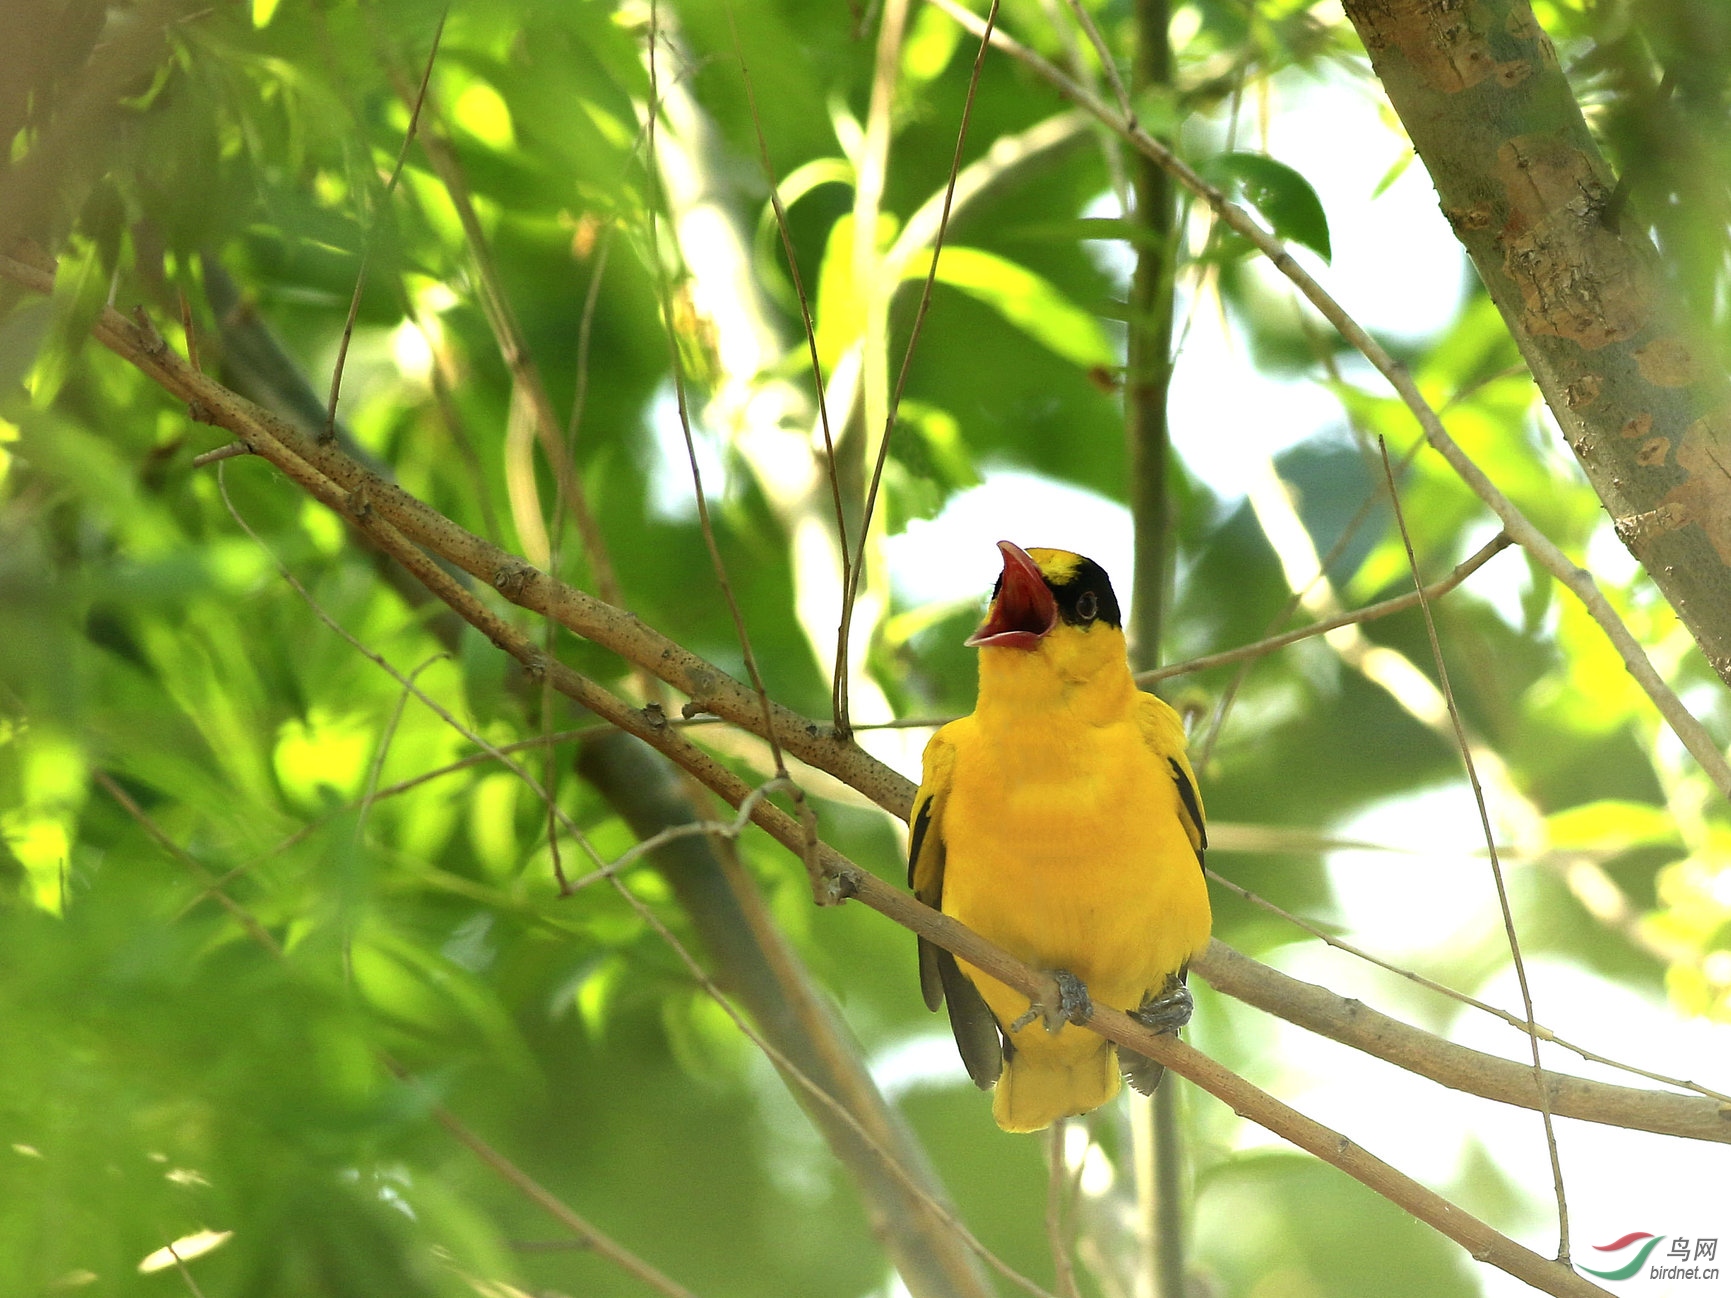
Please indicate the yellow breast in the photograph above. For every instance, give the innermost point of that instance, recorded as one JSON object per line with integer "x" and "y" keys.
{"x": 1066, "y": 849}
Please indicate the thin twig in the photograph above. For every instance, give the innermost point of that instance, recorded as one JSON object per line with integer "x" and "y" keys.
{"x": 1369, "y": 613}
{"x": 810, "y": 328}
{"x": 234, "y": 450}
{"x": 595, "y": 1239}
{"x": 1300, "y": 598}
{"x": 806, "y": 817}
{"x": 367, "y": 242}
{"x": 513, "y": 346}
{"x": 851, "y": 593}
{"x": 129, "y": 805}
{"x": 1514, "y": 1021}
{"x": 1111, "y": 148}
{"x": 370, "y": 789}
{"x": 1491, "y": 847}
{"x": 692, "y": 829}
{"x": 1058, "y": 1240}
{"x": 185, "y": 1275}
{"x": 186, "y": 328}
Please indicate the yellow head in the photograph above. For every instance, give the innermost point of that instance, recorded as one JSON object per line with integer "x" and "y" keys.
{"x": 1053, "y": 630}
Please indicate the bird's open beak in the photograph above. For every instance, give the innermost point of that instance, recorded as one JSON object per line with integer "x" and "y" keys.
{"x": 1024, "y": 610}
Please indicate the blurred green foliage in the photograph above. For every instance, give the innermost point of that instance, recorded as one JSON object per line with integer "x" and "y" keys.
{"x": 164, "y": 1071}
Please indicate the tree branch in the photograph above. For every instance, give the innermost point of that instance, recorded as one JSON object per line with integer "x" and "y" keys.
{"x": 1355, "y": 1024}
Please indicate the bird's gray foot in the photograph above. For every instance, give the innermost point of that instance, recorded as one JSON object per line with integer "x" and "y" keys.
{"x": 1164, "y": 1013}
{"x": 1073, "y": 1005}
{"x": 1168, "y": 1011}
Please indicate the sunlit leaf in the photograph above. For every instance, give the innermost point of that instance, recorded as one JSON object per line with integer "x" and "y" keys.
{"x": 930, "y": 44}
{"x": 1032, "y": 304}
{"x": 183, "y": 1250}
{"x": 1285, "y": 198}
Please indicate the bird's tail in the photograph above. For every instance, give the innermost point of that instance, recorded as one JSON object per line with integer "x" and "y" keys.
{"x": 1040, "y": 1086}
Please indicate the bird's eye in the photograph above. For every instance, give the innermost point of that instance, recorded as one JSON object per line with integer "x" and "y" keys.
{"x": 1087, "y": 606}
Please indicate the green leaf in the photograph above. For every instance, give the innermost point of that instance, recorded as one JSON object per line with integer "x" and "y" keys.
{"x": 766, "y": 244}
{"x": 1034, "y": 305}
{"x": 1394, "y": 173}
{"x": 1610, "y": 825}
{"x": 1285, "y": 198}
{"x": 929, "y": 47}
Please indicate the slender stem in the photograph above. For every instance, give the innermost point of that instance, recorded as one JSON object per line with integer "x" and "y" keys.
{"x": 1491, "y": 847}
{"x": 1147, "y": 383}
{"x": 1168, "y": 1191}
{"x": 1148, "y": 361}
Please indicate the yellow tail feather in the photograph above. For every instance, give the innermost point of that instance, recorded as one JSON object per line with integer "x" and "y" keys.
{"x": 1038, "y": 1088}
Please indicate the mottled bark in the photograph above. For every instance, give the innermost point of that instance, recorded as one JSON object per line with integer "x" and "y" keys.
{"x": 1645, "y": 408}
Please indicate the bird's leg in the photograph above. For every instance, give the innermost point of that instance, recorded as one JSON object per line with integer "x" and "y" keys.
{"x": 1074, "y": 1004}
{"x": 1168, "y": 1011}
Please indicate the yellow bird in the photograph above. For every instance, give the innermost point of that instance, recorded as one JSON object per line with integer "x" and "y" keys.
{"x": 1060, "y": 821}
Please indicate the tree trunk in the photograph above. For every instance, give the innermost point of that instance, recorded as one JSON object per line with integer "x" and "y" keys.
{"x": 1638, "y": 395}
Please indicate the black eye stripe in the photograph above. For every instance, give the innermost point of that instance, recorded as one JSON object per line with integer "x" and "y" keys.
{"x": 1086, "y": 597}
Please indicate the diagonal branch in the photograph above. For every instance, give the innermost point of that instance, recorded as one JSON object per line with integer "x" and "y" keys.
{"x": 1355, "y": 1024}
{"x": 1460, "y": 736}
{"x": 508, "y": 333}
{"x": 321, "y": 471}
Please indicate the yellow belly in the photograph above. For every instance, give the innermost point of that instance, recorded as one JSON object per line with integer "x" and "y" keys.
{"x": 1066, "y": 850}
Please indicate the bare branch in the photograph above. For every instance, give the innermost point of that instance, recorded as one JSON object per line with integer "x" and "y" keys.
{"x": 1355, "y": 1024}
{"x": 1460, "y": 735}
{"x": 591, "y": 1236}
{"x": 1293, "y": 1012}
{"x": 1369, "y": 613}
{"x": 367, "y": 244}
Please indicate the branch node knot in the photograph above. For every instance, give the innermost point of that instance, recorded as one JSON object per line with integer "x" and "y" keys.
{"x": 152, "y": 340}
{"x": 510, "y": 580}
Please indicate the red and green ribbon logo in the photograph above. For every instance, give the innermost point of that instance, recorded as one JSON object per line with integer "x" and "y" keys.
{"x": 1618, "y": 1245}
